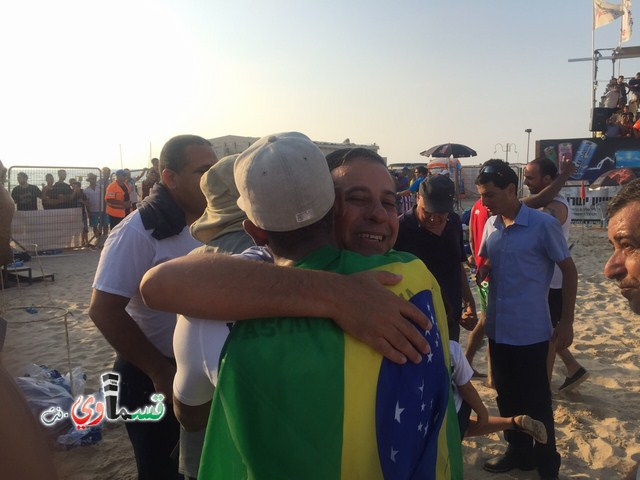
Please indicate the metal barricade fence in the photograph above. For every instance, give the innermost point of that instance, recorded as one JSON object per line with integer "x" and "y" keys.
{"x": 50, "y": 215}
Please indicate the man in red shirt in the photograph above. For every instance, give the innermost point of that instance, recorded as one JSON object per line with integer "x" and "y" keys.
{"x": 479, "y": 216}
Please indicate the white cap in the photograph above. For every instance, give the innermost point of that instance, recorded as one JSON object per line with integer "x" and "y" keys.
{"x": 284, "y": 182}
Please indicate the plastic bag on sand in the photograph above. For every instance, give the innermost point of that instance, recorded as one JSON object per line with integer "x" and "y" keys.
{"x": 44, "y": 373}
{"x": 44, "y": 388}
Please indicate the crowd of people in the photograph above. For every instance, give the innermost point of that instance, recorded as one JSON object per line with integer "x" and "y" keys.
{"x": 352, "y": 357}
{"x": 621, "y": 98}
{"x": 330, "y": 217}
{"x": 103, "y": 202}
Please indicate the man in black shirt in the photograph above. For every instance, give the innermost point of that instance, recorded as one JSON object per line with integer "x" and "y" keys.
{"x": 433, "y": 233}
{"x": 25, "y": 195}
{"x": 61, "y": 191}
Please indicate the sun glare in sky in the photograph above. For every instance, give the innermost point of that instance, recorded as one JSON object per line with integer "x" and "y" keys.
{"x": 88, "y": 84}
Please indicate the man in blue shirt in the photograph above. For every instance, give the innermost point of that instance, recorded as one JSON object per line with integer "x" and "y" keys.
{"x": 522, "y": 252}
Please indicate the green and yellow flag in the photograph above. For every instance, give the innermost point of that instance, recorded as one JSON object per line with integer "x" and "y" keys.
{"x": 297, "y": 398}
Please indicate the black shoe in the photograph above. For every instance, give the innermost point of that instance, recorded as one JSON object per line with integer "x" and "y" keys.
{"x": 573, "y": 381}
{"x": 506, "y": 463}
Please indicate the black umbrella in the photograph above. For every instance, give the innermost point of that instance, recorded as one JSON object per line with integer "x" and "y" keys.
{"x": 456, "y": 150}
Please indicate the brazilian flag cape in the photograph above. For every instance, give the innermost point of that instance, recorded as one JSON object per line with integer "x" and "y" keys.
{"x": 297, "y": 398}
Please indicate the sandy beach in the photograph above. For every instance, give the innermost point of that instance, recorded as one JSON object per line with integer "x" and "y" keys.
{"x": 596, "y": 425}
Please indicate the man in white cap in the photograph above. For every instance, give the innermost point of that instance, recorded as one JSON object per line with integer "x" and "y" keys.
{"x": 275, "y": 370}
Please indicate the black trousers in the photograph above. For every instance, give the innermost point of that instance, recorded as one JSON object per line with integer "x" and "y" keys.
{"x": 153, "y": 442}
{"x": 521, "y": 380}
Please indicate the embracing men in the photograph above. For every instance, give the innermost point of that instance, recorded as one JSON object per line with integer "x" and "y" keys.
{"x": 329, "y": 396}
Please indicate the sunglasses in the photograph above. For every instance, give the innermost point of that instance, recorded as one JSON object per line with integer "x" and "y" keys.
{"x": 491, "y": 169}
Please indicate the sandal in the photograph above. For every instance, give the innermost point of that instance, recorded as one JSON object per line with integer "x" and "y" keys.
{"x": 535, "y": 428}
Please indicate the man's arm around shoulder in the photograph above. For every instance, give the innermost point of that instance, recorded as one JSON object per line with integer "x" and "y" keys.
{"x": 358, "y": 303}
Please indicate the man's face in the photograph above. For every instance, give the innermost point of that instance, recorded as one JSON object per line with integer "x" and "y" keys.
{"x": 366, "y": 218}
{"x": 120, "y": 178}
{"x": 427, "y": 218}
{"x": 106, "y": 172}
{"x": 533, "y": 179}
{"x": 624, "y": 264}
{"x": 49, "y": 179}
{"x": 22, "y": 179}
{"x": 62, "y": 174}
{"x": 92, "y": 181}
{"x": 186, "y": 184}
{"x": 494, "y": 198}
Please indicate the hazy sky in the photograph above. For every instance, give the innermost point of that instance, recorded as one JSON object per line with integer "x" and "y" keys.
{"x": 82, "y": 80}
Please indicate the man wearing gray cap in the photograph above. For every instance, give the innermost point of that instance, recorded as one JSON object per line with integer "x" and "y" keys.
{"x": 327, "y": 395}
{"x": 432, "y": 231}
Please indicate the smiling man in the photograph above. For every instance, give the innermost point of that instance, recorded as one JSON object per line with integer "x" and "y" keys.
{"x": 327, "y": 395}
{"x": 366, "y": 222}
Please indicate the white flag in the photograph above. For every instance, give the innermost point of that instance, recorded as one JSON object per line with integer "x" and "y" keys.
{"x": 627, "y": 22}
{"x": 606, "y": 12}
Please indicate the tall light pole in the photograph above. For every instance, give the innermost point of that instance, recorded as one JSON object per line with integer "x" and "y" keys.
{"x": 506, "y": 149}
{"x": 528, "y": 132}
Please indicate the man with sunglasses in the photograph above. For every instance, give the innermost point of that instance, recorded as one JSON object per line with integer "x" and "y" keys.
{"x": 521, "y": 253}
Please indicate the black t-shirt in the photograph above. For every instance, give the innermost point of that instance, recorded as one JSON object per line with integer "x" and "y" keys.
{"x": 26, "y": 198}
{"x": 64, "y": 189}
{"x": 442, "y": 254}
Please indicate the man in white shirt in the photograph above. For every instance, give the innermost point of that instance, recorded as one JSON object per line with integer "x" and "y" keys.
{"x": 142, "y": 337}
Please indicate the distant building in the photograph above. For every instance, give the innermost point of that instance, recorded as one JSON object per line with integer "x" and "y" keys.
{"x": 231, "y": 144}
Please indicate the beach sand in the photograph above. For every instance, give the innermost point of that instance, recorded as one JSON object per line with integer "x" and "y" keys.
{"x": 596, "y": 425}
